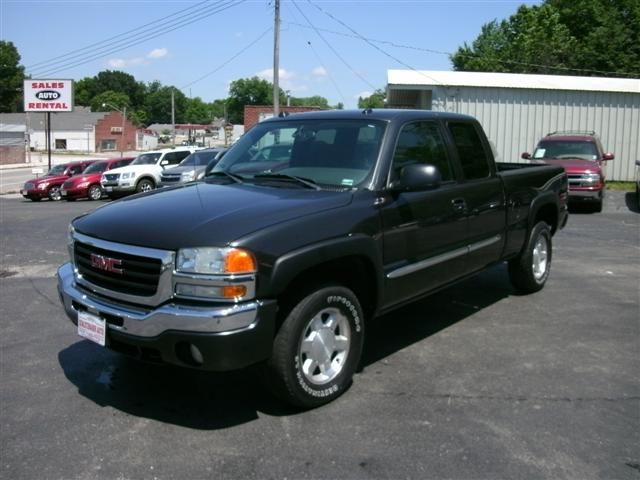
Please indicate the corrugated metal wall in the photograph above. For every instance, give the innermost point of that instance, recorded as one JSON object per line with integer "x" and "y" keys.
{"x": 516, "y": 119}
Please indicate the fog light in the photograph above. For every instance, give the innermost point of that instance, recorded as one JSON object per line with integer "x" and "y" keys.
{"x": 189, "y": 290}
{"x": 196, "y": 354}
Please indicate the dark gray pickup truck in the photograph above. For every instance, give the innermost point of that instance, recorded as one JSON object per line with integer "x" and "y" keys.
{"x": 311, "y": 225}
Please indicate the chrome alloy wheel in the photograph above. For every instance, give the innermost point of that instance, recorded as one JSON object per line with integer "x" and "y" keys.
{"x": 324, "y": 346}
{"x": 540, "y": 257}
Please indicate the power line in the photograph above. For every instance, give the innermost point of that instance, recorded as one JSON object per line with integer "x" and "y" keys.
{"x": 373, "y": 45}
{"x": 224, "y": 64}
{"x": 346, "y": 64}
{"x": 89, "y": 47}
{"x": 449, "y": 54}
{"x": 120, "y": 46}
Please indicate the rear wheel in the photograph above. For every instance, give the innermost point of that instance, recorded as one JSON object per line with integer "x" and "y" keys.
{"x": 530, "y": 270}
{"x": 95, "y": 192}
{"x": 54, "y": 194}
{"x": 318, "y": 348}
{"x": 144, "y": 185}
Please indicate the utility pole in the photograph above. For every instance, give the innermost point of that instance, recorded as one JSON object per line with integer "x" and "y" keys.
{"x": 276, "y": 61}
{"x": 173, "y": 115}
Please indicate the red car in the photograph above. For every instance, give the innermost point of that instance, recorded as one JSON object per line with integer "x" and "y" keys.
{"x": 582, "y": 156}
{"x": 87, "y": 185}
{"x": 48, "y": 186}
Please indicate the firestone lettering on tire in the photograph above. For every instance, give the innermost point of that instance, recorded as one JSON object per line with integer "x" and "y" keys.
{"x": 349, "y": 305}
{"x": 314, "y": 393}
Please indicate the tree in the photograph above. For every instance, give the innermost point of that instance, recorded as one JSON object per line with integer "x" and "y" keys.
{"x": 12, "y": 74}
{"x": 198, "y": 111}
{"x": 531, "y": 41}
{"x": 158, "y": 104}
{"x": 314, "y": 101}
{"x": 249, "y": 91}
{"x": 110, "y": 100}
{"x": 589, "y": 37}
{"x": 375, "y": 100}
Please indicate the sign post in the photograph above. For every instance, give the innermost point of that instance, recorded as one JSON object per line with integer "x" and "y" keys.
{"x": 48, "y": 96}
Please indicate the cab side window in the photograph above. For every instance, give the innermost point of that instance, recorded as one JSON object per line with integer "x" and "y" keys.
{"x": 176, "y": 157}
{"x": 471, "y": 153}
{"x": 421, "y": 142}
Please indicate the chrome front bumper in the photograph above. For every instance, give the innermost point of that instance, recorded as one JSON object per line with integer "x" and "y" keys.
{"x": 151, "y": 322}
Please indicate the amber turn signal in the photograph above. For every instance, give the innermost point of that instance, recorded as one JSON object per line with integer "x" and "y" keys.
{"x": 239, "y": 261}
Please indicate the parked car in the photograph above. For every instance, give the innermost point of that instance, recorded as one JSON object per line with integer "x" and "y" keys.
{"x": 87, "y": 184}
{"x": 285, "y": 264}
{"x": 191, "y": 168}
{"x": 143, "y": 174}
{"x": 582, "y": 156}
{"x": 48, "y": 186}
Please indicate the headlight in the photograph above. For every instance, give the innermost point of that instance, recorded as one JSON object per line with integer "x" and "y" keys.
{"x": 215, "y": 261}
{"x": 82, "y": 185}
{"x": 187, "y": 176}
{"x": 591, "y": 178}
{"x": 43, "y": 185}
{"x": 125, "y": 175}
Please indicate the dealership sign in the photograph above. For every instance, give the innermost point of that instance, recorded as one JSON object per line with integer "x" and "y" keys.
{"x": 48, "y": 95}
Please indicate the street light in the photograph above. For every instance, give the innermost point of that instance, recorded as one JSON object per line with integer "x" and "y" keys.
{"x": 123, "y": 112}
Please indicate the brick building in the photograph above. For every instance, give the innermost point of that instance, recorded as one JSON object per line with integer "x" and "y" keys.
{"x": 111, "y": 133}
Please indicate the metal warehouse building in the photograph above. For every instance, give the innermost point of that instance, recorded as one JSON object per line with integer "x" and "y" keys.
{"x": 516, "y": 110}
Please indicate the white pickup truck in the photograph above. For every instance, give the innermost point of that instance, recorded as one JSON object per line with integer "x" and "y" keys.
{"x": 143, "y": 174}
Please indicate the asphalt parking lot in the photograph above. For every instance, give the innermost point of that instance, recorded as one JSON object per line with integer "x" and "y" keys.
{"x": 474, "y": 382}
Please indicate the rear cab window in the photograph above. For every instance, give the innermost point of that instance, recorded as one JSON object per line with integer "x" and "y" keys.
{"x": 472, "y": 155}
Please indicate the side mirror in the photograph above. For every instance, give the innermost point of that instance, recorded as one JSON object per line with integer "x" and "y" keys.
{"x": 418, "y": 177}
{"x": 608, "y": 156}
{"x": 164, "y": 163}
{"x": 526, "y": 156}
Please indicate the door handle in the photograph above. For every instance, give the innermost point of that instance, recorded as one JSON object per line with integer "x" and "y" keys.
{"x": 459, "y": 204}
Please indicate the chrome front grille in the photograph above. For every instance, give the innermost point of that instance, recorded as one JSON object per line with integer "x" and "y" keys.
{"x": 133, "y": 274}
{"x": 170, "y": 178}
{"x": 111, "y": 177}
{"x": 125, "y": 272}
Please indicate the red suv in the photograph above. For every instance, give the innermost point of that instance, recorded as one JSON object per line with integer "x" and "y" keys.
{"x": 49, "y": 185}
{"x": 87, "y": 185}
{"x": 582, "y": 156}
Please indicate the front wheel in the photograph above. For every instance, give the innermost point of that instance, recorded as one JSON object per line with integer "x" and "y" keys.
{"x": 144, "y": 185}
{"x": 530, "y": 270}
{"x": 95, "y": 192}
{"x": 54, "y": 194}
{"x": 318, "y": 348}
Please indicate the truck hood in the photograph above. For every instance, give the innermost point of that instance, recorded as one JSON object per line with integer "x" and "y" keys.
{"x": 203, "y": 214}
{"x": 575, "y": 165}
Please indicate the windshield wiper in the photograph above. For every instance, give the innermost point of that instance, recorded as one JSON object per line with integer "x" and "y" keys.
{"x": 307, "y": 182}
{"x": 235, "y": 178}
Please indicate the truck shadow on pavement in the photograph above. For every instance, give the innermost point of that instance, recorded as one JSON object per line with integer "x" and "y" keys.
{"x": 211, "y": 401}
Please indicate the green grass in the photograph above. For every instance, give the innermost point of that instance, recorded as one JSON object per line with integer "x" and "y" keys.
{"x": 623, "y": 186}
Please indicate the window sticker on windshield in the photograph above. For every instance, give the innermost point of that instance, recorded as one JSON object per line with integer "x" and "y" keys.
{"x": 539, "y": 153}
{"x": 347, "y": 181}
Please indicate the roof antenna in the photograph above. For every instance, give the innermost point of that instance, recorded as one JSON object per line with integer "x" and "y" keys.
{"x": 283, "y": 114}
{"x": 367, "y": 111}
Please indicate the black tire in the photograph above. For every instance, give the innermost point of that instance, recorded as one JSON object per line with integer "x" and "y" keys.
{"x": 54, "y": 194}
{"x": 145, "y": 185}
{"x": 325, "y": 326}
{"x": 597, "y": 207}
{"x": 94, "y": 192}
{"x": 530, "y": 270}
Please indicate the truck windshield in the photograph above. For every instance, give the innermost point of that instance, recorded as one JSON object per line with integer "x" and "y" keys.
{"x": 146, "y": 159}
{"x": 329, "y": 153}
{"x": 567, "y": 149}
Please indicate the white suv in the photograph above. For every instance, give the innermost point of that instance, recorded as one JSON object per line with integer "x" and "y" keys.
{"x": 143, "y": 174}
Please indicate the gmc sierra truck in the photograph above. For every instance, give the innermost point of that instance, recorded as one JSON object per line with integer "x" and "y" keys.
{"x": 311, "y": 225}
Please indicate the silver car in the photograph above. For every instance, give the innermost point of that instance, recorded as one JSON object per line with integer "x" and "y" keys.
{"x": 191, "y": 168}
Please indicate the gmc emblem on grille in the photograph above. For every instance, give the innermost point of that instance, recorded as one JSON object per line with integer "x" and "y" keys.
{"x": 107, "y": 264}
